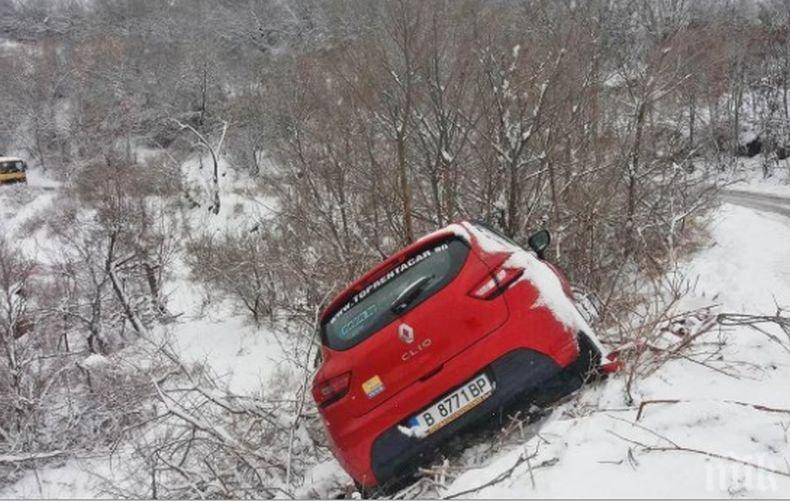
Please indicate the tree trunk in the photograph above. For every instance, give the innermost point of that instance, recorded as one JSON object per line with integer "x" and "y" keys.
{"x": 408, "y": 230}
{"x": 692, "y": 119}
{"x": 633, "y": 169}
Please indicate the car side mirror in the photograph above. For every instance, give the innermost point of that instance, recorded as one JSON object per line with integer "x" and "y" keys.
{"x": 539, "y": 242}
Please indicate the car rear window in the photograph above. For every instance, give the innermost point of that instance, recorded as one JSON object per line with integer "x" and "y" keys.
{"x": 369, "y": 310}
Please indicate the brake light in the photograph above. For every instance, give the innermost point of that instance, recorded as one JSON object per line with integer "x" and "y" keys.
{"x": 497, "y": 283}
{"x": 329, "y": 391}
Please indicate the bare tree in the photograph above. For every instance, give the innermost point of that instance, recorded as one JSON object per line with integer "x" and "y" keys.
{"x": 215, "y": 151}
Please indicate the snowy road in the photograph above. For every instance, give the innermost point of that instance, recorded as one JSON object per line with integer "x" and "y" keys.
{"x": 760, "y": 201}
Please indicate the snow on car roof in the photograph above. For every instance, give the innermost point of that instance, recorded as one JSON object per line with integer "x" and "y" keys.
{"x": 9, "y": 159}
{"x": 457, "y": 229}
{"x": 540, "y": 275}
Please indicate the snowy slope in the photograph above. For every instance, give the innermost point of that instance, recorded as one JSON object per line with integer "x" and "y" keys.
{"x": 583, "y": 449}
{"x": 586, "y": 447}
{"x": 243, "y": 358}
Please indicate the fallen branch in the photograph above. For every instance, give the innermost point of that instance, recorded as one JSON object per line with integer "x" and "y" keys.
{"x": 653, "y": 401}
{"x": 675, "y": 353}
{"x": 754, "y": 322}
{"x": 760, "y": 407}
{"x": 732, "y": 319}
{"x": 15, "y": 459}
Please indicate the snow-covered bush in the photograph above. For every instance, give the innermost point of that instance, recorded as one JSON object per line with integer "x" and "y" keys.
{"x": 54, "y": 401}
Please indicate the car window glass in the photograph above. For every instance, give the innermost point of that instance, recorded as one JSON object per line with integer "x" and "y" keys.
{"x": 370, "y": 309}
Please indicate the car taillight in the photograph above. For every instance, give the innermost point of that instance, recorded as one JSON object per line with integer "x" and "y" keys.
{"x": 329, "y": 391}
{"x": 498, "y": 282}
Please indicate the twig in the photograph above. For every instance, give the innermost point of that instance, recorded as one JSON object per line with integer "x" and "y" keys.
{"x": 15, "y": 459}
{"x": 759, "y": 407}
{"x": 653, "y": 401}
{"x": 753, "y": 321}
{"x": 673, "y": 446}
{"x": 531, "y": 473}
{"x": 785, "y": 427}
{"x": 523, "y": 458}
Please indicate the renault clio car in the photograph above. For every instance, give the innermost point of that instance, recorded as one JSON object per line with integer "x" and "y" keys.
{"x": 444, "y": 334}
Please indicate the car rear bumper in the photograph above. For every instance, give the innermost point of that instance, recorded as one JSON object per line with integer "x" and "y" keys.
{"x": 365, "y": 445}
{"x": 519, "y": 373}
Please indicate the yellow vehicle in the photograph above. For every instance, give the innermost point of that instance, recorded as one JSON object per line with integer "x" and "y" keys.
{"x": 12, "y": 170}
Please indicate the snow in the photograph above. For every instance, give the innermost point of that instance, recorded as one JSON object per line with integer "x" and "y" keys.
{"x": 750, "y": 177}
{"x": 244, "y": 358}
{"x": 551, "y": 294}
{"x": 73, "y": 479}
{"x": 582, "y": 448}
{"x": 95, "y": 361}
{"x": 747, "y": 266}
{"x": 6, "y": 44}
{"x": 744, "y": 269}
{"x": 10, "y": 46}
{"x": 456, "y": 229}
{"x": 549, "y": 286}
{"x": 38, "y": 179}
{"x": 542, "y": 277}
{"x": 20, "y": 206}
{"x": 242, "y": 205}
{"x": 323, "y": 479}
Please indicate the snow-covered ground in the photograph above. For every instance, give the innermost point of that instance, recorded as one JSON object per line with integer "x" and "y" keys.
{"x": 588, "y": 447}
{"x": 747, "y": 175}
{"x": 243, "y": 358}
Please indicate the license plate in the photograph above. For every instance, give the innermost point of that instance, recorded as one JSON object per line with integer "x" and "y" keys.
{"x": 451, "y": 406}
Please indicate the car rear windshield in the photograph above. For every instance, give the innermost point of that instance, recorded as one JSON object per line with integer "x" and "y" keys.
{"x": 371, "y": 309}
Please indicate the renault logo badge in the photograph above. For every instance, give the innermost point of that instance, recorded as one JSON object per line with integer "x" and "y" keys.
{"x": 406, "y": 333}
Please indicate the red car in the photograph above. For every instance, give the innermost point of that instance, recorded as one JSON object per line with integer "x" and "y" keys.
{"x": 442, "y": 335}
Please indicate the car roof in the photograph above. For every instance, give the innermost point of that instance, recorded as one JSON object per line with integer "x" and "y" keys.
{"x": 10, "y": 159}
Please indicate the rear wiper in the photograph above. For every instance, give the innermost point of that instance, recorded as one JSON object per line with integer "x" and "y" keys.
{"x": 409, "y": 295}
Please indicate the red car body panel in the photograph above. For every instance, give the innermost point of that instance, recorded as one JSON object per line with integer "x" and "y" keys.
{"x": 466, "y": 334}
{"x": 398, "y": 365}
